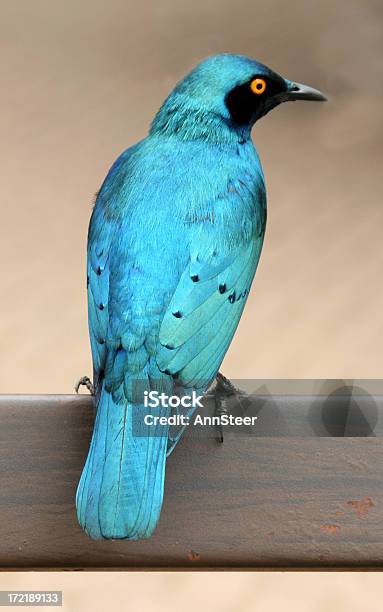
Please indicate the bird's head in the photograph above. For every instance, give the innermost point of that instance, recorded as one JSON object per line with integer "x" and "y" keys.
{"x": 233, "y": 88}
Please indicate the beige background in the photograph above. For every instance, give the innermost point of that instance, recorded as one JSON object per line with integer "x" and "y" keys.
{"x": 80, "y": 81}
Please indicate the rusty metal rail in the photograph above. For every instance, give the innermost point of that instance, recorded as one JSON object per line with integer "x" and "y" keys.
{"x": 296, "y": 494}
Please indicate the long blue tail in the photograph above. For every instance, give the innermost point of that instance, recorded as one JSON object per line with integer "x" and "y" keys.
{"x": 121, "y": 487}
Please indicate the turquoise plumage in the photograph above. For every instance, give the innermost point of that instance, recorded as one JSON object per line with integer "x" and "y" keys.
{"x": 174, "y": 242}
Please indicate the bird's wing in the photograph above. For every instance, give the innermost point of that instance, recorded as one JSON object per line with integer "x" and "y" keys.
{"x": 203, "y": 315}
{"x": 205, "y": 309}
{"x": 98, "y": 292}
{"x": 100, "y": 236}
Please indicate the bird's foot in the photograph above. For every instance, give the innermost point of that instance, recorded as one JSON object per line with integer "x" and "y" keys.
{"x": 85, "y": 382}
{"x": 225, "y": 386}
{"x": 223, "y": 389}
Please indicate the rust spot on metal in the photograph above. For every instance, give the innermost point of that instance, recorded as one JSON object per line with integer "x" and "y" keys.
{"x": 194, "y": 556}
{"x": 362, "y": 507}
{"x": 330, "y": 529}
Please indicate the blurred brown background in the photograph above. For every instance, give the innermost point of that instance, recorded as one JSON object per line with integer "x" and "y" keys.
{"x": 80, "y": 82}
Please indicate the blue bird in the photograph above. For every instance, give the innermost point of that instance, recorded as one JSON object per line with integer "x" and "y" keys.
{"x": 173, "y": 245}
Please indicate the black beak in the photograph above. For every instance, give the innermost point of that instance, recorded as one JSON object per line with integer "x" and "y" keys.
{"x": 298, "y": 91}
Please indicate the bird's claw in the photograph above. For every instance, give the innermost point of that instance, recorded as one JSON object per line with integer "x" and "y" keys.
{"x": 224, "y": 388}
{"x": 84, "y": 382}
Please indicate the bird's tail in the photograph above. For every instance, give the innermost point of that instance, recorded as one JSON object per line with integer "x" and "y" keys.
{"x": 121, "y": 487}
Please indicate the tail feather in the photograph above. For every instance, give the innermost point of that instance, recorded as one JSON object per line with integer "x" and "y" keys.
{"x": 121, "y": 488}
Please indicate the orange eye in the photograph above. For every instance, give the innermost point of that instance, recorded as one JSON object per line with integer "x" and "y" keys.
{"x": 258, "y": 86}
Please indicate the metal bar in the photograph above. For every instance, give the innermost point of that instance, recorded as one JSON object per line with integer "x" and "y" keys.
{"x": 283, "y": 497}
